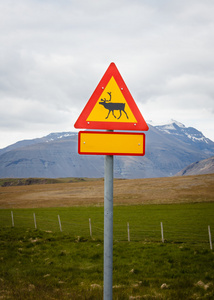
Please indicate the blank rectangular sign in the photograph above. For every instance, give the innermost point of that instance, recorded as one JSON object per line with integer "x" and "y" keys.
{"x": 111, "y": 143}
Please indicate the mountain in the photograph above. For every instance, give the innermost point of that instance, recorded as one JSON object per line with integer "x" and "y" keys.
{"x": 205, "y": 166}
{"x": 188, "y": 135}
{"x": 169, "y": 149}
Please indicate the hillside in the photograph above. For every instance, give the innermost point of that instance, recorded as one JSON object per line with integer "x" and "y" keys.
{"x": 205, "y": 166}
{"x": 183, "y": 189}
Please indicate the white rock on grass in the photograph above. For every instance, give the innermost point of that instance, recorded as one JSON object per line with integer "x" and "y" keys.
{"x": 164, "y": 286}
{"x": 202, "y": 285}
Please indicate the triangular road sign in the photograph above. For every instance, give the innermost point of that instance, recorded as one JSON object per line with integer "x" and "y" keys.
{"x": 111, "y": 106}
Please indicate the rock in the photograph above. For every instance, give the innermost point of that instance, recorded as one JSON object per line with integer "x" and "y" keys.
{"x": 95, "y": 286}
{"x": 31, "y": 287}
{"x": 164, "y": 286}
{"x": 200, "y": 284}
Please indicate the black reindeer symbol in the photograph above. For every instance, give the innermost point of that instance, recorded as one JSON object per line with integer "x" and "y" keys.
{"x": 113, "y": 106}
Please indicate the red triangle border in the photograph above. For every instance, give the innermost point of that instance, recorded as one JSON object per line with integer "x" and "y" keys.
{"x": 81, "y": 121}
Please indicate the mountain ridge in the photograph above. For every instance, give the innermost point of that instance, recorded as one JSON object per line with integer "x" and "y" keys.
{"x": 169, "y": 149}
{"x": 205, "y": 166}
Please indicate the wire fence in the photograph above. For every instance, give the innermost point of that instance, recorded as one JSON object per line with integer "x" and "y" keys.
{"x": 129, "y": 231}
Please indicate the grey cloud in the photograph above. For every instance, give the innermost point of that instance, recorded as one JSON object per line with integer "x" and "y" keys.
{"x": 53, "y": 54}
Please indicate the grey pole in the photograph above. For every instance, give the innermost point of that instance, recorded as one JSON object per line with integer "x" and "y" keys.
{"x": 108, "y": 227}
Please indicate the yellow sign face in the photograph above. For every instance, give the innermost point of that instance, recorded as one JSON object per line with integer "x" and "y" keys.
{"x": 111, "y": 143}
{"x": 111, "y": 106}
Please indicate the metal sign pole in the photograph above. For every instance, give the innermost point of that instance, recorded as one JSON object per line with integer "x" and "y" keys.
{"x": 108, "y": 227}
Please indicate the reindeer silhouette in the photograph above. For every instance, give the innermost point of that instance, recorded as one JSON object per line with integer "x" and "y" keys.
{"x": 113, "y": 106}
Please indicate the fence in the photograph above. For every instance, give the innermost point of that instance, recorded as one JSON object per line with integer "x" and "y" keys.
{"x": 93, "y": 228}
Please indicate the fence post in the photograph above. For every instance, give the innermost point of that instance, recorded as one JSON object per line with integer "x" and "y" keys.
{"x": 34, "y": 217}
{"x": 90, "y": 229}
{"x": 128, "y": 231}
{"x": 60, "y": 226}
{"x": 210, "y": 238}
{"x": 12, "y": 219}
{"x": 162, "y": 237}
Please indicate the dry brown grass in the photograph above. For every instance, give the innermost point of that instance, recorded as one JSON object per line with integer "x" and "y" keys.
{"x": 183, "y": 189}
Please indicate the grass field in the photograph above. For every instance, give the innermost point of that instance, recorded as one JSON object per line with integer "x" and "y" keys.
{"x": 45, "y": 263}
{"x": 184, "y": 189}
{"x": 49, "y": 264}
{"x": 185, "y": 223}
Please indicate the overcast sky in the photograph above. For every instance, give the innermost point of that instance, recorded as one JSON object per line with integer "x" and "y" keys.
{"x": 54, "y": 53}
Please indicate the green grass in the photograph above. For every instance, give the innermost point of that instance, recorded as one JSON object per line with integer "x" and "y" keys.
{"x": 49, "y": 264}
{"x": 181, "y": 222}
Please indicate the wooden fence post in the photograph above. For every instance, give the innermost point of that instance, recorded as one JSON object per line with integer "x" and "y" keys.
{"x": 12, "y": 219}
{"x": 90, "y": 229}
{"x": 60, "y": 226}
{"x": 34, "y": 217}
{"x": 128, "y": 231}
{"x": 210, "y": 238}
{"x": 162, "y": 237}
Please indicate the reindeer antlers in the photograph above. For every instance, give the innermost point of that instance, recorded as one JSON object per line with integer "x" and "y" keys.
{"x": 105, "y": 98}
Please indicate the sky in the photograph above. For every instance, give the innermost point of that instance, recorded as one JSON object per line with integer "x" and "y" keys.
{"x": 54, "y": 53}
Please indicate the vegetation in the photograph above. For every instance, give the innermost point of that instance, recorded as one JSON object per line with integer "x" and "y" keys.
{"x": 30, "y": 181}
{"x": 41, "y": 262}
{"x": 45, "y": 263}
{"x": 184, "y": 189}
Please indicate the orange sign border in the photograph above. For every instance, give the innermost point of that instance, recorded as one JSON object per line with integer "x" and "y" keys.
{"x": 82, "y": 120}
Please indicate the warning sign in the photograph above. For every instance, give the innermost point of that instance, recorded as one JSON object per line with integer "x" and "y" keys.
{"x": 111, "y": 106}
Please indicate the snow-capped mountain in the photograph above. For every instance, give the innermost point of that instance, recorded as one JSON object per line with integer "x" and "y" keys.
{"x": 169, "y": 149}
{"x": 186, "y": 134}
{"x": 46, "y": 139}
